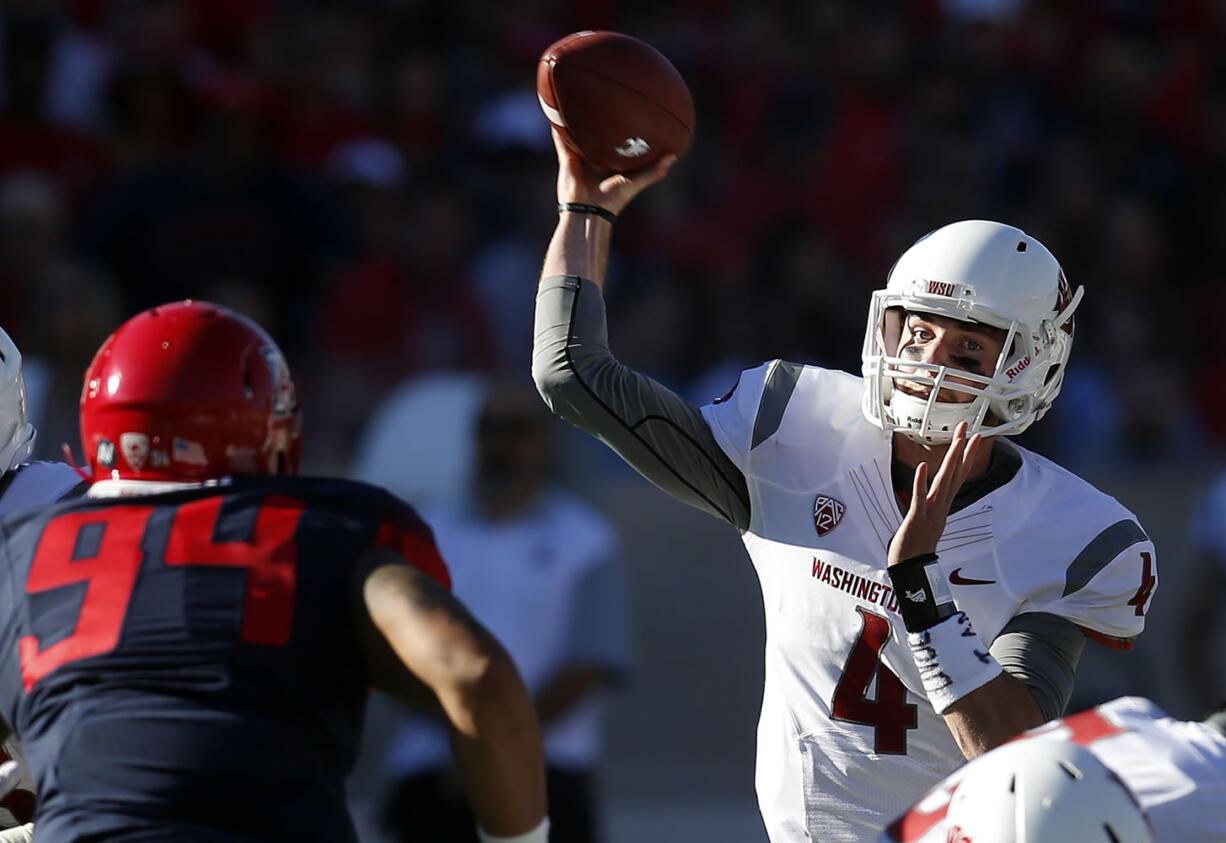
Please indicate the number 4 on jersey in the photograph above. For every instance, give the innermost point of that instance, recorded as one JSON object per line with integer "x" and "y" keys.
{"x": 889, "y": 714}
{"x": 1148, "y": 581}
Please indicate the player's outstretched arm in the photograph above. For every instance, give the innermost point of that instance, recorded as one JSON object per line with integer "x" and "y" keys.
{"x": 495, "y": 736}
{"x": 655, "y": 430}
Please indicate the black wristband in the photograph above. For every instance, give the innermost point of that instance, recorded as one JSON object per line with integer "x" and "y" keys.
{"x": 584, "y": 208}
{"x": 923, "y": 594}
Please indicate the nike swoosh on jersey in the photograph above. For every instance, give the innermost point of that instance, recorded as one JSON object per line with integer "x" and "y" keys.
{"x": 956, "y": 578}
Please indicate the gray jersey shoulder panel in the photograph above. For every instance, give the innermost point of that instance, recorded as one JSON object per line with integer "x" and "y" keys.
{"x": 1096, "y": 555}
{"x": 780, "y": 384}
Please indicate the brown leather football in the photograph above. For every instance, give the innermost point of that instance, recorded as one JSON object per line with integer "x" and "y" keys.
{"x": 615, "y": 100}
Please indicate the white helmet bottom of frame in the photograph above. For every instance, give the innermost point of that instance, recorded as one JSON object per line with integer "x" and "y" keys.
{"x": 1041, "y": 790}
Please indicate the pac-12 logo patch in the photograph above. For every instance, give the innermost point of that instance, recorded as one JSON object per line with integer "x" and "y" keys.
{"x": 827, "y": 513}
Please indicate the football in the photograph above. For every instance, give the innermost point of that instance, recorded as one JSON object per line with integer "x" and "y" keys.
{"x": 615, "y": 100}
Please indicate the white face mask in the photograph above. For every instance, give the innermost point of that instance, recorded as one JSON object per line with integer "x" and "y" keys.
{"x": 16, "y": 432}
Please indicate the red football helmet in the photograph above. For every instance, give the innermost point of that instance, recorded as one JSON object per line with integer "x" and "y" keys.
{"x": 189, "y": 391}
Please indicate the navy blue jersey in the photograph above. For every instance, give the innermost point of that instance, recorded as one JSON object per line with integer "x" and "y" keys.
{"x": 186, "y": 666}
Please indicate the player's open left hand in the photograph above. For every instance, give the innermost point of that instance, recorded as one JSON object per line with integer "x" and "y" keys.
{"x": 578, "y": 181}
{"x": 930, "y": 503}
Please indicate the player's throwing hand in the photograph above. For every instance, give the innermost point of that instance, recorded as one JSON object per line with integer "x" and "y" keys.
{"x": 925, "y": 519}
{"x": 578, "y": 181}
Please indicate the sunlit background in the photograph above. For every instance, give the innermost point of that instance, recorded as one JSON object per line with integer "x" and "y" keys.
{"x": 373, "y": 181}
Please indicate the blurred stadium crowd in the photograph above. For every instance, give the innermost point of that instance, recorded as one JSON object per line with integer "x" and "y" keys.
{"x": 373, "y": 181}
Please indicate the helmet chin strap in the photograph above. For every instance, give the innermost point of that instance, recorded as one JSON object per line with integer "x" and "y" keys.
{"x": 907, "y": 415}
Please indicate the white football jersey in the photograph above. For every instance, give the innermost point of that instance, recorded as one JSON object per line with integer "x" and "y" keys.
{"x": 846, "y": 738}
{"x": 26, "y": 486}
{"x": 1175, "y": 769}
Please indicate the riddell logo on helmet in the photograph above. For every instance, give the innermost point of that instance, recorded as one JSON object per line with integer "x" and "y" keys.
{"x": 1013, "y": 371}
{"x": 940, "y": 288}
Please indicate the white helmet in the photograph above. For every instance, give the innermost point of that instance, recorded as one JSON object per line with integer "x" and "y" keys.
{"x": 972, "y": 271}
{"x": 1044, "y": 791}
{"x": 16, "y": 433}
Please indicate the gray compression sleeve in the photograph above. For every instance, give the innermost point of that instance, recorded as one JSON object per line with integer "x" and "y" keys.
{"x": 657, "y": 432}
{"x": 1042, "y": 650}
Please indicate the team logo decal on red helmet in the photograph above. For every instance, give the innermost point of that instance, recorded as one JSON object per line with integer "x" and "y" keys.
{"x": 827, "y": 513}
{"x": 188, "y": 451}
{"x": 105, "y": 453}
{"x": 135, "y": 449}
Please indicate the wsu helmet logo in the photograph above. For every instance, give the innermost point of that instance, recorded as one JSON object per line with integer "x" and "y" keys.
{"x": 827, "y": 513}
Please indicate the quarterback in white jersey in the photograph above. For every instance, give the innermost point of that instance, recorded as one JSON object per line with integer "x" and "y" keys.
{"x": 22, "y": 485}
{"x": 843, "y": 710}
{"x": 928, "y": 586}
{"x": 1175, "y": 771}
